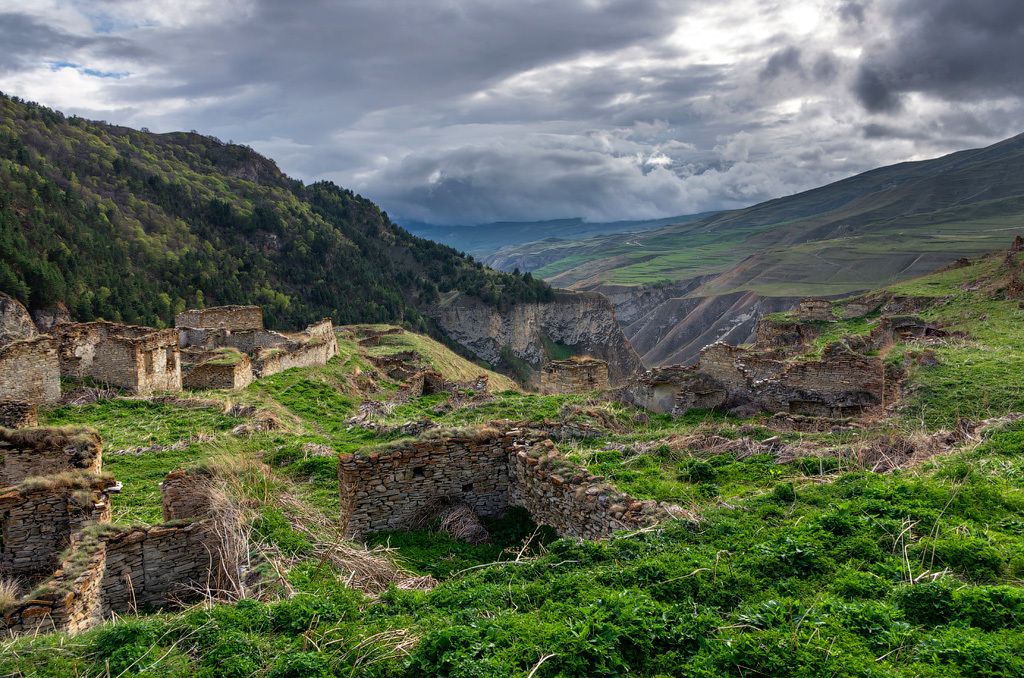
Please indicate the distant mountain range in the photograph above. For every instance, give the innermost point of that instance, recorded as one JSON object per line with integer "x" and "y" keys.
{"x": 484, "y": 240}
{"x": 681, "y": 286}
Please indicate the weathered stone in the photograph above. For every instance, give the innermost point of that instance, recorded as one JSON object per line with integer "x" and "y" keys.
{"x": 576, "y": 375}
{"x": 140, "y": 359}
{"x": 17, "y": 414}
{"x": 222, "y": 317}
{"x": 32, "y": 452}
{"x": 30, "y": 370}
{"x": 15, "y": 322}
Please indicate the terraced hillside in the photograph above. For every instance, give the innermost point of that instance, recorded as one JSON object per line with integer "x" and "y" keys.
{"x": 882, "y": 546}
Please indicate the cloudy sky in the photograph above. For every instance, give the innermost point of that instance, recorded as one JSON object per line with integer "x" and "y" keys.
{"x": 466, "y": 111}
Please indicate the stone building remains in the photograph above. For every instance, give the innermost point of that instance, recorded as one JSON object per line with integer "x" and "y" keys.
{"x": 489, "y": 470}
{"x": 30, "y": 371}
{"x": 140, "y": 359}
{"x": 575, "y": 375}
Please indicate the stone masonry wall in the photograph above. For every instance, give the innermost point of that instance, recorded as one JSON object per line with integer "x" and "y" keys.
{"x": 18, "y": 414}
{"x": 394, "y": 488}
{"x": 567, "y": 498}
{"x": 222, "y": 317}
{"x": 46, "y": 452}
{"x": 140, "y": 359}
{"x": 579, "y": 375}
{"x": 217, "y": 375}
{"x": 119, "y": 571}
{"x": 184, "y": 494}
{"x": 490, "y": 471}
{"x": 30, "y": 371}
{"x": 311, "y": 354}
{"x": 38, "y": 519}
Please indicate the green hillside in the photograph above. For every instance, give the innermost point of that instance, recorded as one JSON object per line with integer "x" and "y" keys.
{"x": 869, "y": 230}
{"x": 133, "y": 226}
{"x": 801, "y": 554}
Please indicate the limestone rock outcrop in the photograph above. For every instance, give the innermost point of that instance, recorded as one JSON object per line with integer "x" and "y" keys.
{"x": 15, "y": 322}
{"x": 582, "y": 321}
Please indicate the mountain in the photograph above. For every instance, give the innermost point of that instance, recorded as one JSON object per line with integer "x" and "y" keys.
{"x": 133, "y": 226}
{"x": 490, "y": 239}
{"x": 679, "y": 287}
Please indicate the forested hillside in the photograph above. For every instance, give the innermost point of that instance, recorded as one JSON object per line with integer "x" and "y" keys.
{"x": 133, "y": 226}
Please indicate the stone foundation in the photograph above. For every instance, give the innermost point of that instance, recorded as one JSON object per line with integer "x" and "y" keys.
{"x": 184, "y": 494}
{"x": 138, "y": 359}
{"x": 815, "y": 310}
{"x": 395, "y": 488}
{"x": 30, "y": 371}
{"x": 577, "y": 375}
{"x": 47, "y": 452}
{"x": 18, "y": 414}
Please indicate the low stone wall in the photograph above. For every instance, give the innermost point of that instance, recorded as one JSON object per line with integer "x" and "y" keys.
{"x": 18, "y": 414}
{"x": 774, "y": 334}
{"x": 184, "y": 494}
{"x": 120, "y": 570}
{"x": 311, "y": 354}
{"x": 567, "y": 498}
{"x": 580, "y": 375}
{"x": 218, "y": 374}
{"x": 222, "y": 317}
{"x": 39, "y": 517}
{"x": 394, "y": 488}
{"x": 46, "y": 452}
{"x": 30, "y": 370}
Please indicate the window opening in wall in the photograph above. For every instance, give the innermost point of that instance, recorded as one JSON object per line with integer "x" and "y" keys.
{"x": 171, "y": 360}
{"x": 147, "y": 361}
{"x": 417, "y": 472}
{"x": 468, "y": 487}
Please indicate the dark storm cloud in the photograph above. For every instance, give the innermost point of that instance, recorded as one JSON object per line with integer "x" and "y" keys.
{"x": 951, "y": 49}
{"x": 481, "y": 110}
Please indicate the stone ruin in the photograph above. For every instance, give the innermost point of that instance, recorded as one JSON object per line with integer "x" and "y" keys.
{"x": 57, "y": 538}
{"x": 775, "y": 375}
{"x": 15, "y": 322}
{"x": 488, "y": 469}
{"x": 18, "y": 414}
{"x": 575, "y": 375}
{"x": 815, "y": 310}
{"x": 228, "y": 347}
{"x": 30, "y": 371}
{"x": 139, "y": 359}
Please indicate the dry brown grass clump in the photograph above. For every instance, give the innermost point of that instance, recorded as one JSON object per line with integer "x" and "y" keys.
{"x": 49, "y": 437}
{"x": 10, "y": 593}
{"x": 455, "y": 518}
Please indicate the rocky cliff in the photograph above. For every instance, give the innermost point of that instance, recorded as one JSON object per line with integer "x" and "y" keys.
{"x": 581, "y": 322}
{"x": 667, "y": 327}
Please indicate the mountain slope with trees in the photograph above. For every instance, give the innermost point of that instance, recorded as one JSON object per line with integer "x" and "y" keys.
{"x": 133, "y": 226}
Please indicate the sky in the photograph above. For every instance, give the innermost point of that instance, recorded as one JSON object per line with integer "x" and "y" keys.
{"x": 472, "y": 111}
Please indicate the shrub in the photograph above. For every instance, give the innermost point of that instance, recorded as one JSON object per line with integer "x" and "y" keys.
{"x": 697, "y": 471}
{"x": 929, "y": 604}
{"x": 970, "y": 556}
{"x": 301, "y": 665}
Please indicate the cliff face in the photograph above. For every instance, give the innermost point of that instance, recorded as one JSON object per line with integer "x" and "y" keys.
{"x": 667, "y": 327}
{"x": 582, "y": 321}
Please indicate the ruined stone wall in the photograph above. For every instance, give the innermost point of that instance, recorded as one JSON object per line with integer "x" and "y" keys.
{"x": 139, "y": 359}
{"x": 222, "y": 317}
{"x": 574, "y": 376}
{"x": 295, "y": 355}
{"x": 30, "y": 371}
{"x": 567, "y": 498}
{"x": 392, "y": 489}
{"x": 32, "y": 452}
{"x": 39, "y": 517}
{"x": 157, "y": 566}
{"x": 775, "y": 334}
{"x": 841, "y": 384}
{"x": 18, "y": 414}
{"x": 120, "y": 571}
{"x": 15, "y": 322}
{"x": 185, "y": 494}
{"x": 218, "y": 375}
{"x": 815, "y": 310}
